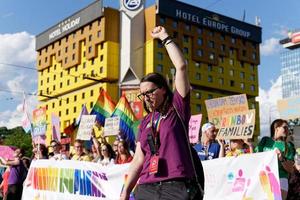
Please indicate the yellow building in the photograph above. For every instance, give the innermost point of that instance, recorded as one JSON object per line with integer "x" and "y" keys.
{"x": 103, "y": 47}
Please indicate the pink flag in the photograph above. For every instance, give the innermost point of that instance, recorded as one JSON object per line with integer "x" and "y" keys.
{"x": 55, "y": 127}
{"x": 194, "y": 127}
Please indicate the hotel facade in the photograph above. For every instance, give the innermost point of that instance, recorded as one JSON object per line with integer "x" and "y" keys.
{"x": 104, "y": 47}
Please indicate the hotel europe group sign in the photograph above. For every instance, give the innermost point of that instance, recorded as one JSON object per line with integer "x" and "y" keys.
{"x": 68, "y": 25}
{"x": 208, "y": 19}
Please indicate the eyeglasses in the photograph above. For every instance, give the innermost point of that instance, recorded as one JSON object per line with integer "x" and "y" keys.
{"x": 149, "y": 94}
{"x": 77, "y": 147}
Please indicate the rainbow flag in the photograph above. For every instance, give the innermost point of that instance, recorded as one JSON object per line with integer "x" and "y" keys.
{"x": 103, "y": 108}
{"x": 127, "y": 121}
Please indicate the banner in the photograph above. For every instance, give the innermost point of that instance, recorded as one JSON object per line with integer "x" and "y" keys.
{"x": 218, "y": 107}
{"x": 86, "y": 127}
{"x": 111, "y": 126}
{"x": 7, "y": 152}
{"x": 289, "y": 108}
{"x": 194, "y": 127}
{"x": 237, "y": 126}
{"x": 55, "y": 127}
{"x": 68, "y": 179}
{"x": 246, "y": 177}
{"x": 39, "y": 122}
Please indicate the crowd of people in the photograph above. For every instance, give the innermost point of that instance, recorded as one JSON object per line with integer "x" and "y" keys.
{"x": 288, "y": 158}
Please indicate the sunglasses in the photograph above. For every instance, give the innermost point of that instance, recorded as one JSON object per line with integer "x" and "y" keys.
{"x": 148, "y": 93}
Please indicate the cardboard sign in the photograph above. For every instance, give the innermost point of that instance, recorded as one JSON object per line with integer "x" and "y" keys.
{"x": 218, "y": 107}
{"x": 39, "y": 122}
{"x": 289, "y": 108}
{"x": 194, "y": 127}
{"x": 7, "y": 152}
{"x": 86, "y": 127}
{"x": 237, "y": 126}
{"x": 111, "y": 126}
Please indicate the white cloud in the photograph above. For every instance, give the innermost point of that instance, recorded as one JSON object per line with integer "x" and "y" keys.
{"x": 270, "y": 46}
{"x": 268, "y": 105}
{"x": 281, "y": 30}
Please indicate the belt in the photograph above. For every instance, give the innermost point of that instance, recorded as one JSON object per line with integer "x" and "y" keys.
{"x": 169, "y": 181}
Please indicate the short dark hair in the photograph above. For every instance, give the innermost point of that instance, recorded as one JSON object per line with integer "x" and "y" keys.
{"x": 160, "y": 81}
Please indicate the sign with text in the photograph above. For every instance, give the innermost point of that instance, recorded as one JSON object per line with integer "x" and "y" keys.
{"x": 39, "y": 122}
{"x": 218, "y": 107}
{"x": 69, "y": 179}
{"x": 111, "y": 126}
{"x": 237, "y": 126}
{"x": 289, "y": 108}
{"x": 246, "y": 177}
{"x": 86, "y": 127}
{"x": 194, "y": 127}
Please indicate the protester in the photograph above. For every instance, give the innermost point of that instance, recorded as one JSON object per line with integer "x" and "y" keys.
{"x": 79, "y": 152}
{"x": 16, "y": 176}
{"x": 107, "y": 155}
{"x": 57, "y": 155}
{"x": 39, "y": 151}
{"x": 4, "y": 182}
{"x": 208, "y": 148}
{"x": 123, "y": 155}
{"x": 237, "y": 147}
{"x": 285, "y": 151}
{"x": 162, "y": 161}
{"x": 294, "y": 180}
{"x": 115, "y": 146}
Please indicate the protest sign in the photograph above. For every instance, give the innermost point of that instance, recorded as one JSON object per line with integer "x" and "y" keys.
{"x": 246, "y": 177}
{"x": 39, "y": 122}
{"x": 111, "y": 126}
{"x": 289, "y": 108}
{"x": 237, "y": 126}
{"x": 68, "y": 179}
{"x": 218, "y": 107}
{"x": 86, "y": 127}
{"x": 55, "y": 127}
{"x": 7, "y": 151}
{"x": 194, "y": 127}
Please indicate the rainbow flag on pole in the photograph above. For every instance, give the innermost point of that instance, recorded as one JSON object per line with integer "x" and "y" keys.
{"x": 103, "y": 108}
{"x": 127, "y": 119}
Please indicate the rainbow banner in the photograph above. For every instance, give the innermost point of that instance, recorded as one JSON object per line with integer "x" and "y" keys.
{"x": 103, "y": 108}
{"x": 246, "y": 177}
{"x": 68, "y": 179}
{"x": 127, "y": 119}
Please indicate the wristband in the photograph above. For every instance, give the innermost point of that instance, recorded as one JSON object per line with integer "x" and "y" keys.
{"x": 167, "y": 40}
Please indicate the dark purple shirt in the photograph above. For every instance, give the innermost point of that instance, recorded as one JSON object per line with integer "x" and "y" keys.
{"x": 173, "y": 152}
{"x": 17, "y": 173}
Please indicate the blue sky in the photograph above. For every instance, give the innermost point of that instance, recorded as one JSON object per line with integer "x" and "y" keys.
{"x": 20, "y": 21}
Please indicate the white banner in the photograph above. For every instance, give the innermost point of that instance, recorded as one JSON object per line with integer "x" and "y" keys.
{"x": 246, "y": 177}
{"x": 68, "y": 179}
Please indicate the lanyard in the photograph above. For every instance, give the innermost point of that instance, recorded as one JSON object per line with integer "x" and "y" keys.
{"x": 154, "y": 137}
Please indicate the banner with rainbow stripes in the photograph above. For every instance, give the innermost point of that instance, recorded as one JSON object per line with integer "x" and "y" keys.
{"x": 68, "y": 179}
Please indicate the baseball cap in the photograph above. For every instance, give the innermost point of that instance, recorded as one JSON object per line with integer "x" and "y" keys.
{"x": 207, "y": 126}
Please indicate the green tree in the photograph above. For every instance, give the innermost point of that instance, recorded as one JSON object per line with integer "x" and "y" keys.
{"x": 18, "y": 138}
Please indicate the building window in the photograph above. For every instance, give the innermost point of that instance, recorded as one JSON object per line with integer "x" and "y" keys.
{"x": 83, "y": 53}
{"x": 212, "y": 56}
{"x": 74, "y": 109}
{"x": 90, "y": 37}
{"x": 91, "y": 104}
{"x": 221, "y": 59}
{"x": 101, "y": 46}
{"x": 83, "y": 65}
{"x": 252, "y": 105}
{"x": 252, "y": 68}
{"x": 185, "y": 38}
{"x": 198, "y": 95}
{"x": 252, "y": 77}
{"x": 60, "y": 84}
{"x": 66, "y": 49}
{"x": 61, "y": 74}
{"x": 199, "y": 41}
{"x": 199, "y": 52}
{"x": 199, "y": 30}
{"x": 47, "y": 79}
{"x": 174, "y": 24}
{"x": 242, "y": 86}
{"x": 41, "y": 82}
{"x": 233, "y": 40}
{"x": 222, "y": 36}
{"x": 253, "y": 55}
{"x": 231, "y": 72}
{"x": 231, "y": 62}
{"x": 232, "y": 83}
{"x": 211, "y": 44}
{"x": 198, "y": 76}
{"x": 209, "y": 68}
{"x": 162, "y": 20}
{"x": 223, "y": 47}
{"x": 46, "y": 59}
{"x": 185, "y": 50}
{"x": 83, "y": 96}
{"x": 73, "y": 56}
{"x": 159, "y": 68}
{"x": 188, "y": 27}
{"x": 101, "y": 58}
{"x": 210, "y": 33}
{"x": 221, "y": 81}
{"x": 59, "y": 102}
{"x": 74, "y": 45}
{"x": 75, "y": 79}
{"x": 252, "y": 87}
{"x": 242, "y": 75}
{"x": 198, "y": 107}
{"x": 92, "y": 61}
{"x": 209, "y": 96}
{"x": 210, "y": 79}
{"x": 53, "y": 87}
{"x": 67, "y": 100}
{"x": 197, "y": 65}
{"x": 244, "y": 52}
{"x": 92, "y": 93}
{"x": 101, "y": 70}
{"x": 66, "y": 60}
{"x": 99, "y": 34}
{"x": 68, "y": 82}
{"x": 59, "y": 113}
{"x": 90, "y": 49}
{"x": 221, "y": 70}
{"x": 53, "y": 105}
{"x": 159, "y": 56}
{"x": 231, "y": 51}
{"x": 242, "y": 64}
{"x": 67, "y": 111}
